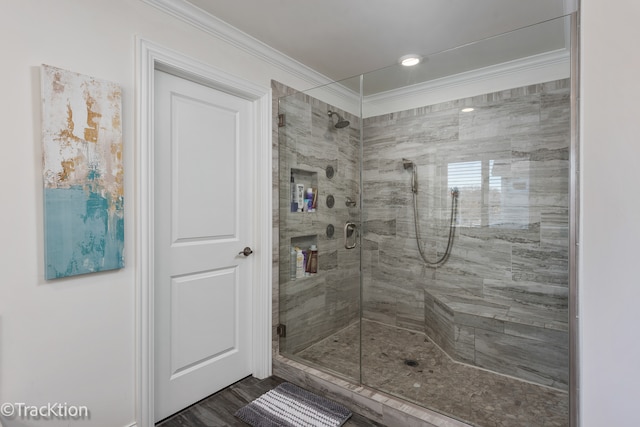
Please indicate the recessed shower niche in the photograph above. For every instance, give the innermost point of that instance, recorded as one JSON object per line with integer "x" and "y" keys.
{"x": 303, "y": 191}
{"x": 303, "y": 257}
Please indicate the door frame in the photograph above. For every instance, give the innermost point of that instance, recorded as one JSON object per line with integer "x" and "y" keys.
{"x": 150, "y": 57}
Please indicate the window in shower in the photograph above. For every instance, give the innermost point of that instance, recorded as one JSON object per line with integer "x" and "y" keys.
{"x": 490, "y": 195}
{"x": 467, "y": 177}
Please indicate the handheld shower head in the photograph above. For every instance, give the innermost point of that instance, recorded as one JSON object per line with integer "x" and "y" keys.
{"x": 408, "y": 164}
{"x": 342, "y": 123}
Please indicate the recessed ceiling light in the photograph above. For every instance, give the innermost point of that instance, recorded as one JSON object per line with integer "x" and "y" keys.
{"x": 467, "y": 110}
{"x": 410, "y": 60}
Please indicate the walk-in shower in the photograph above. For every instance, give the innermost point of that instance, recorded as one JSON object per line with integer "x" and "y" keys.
{"x": 451, "y": 290}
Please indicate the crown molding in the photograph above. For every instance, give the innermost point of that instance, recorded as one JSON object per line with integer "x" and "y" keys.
{"x": 216, "y": 27}
{"x": 536, "y": 69}
{"x": 219, "y": 29}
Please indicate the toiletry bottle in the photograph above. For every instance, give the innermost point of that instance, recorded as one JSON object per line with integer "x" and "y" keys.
{"x": 294, "y": 196}
{"x": 299, "y": 263}
{"x": 309, "y": 198}
{"x": 293, "y": 256}
{"x": 306, "y": 262}
{"x": 313, "y": 259}
{"x": 300, "y": 196}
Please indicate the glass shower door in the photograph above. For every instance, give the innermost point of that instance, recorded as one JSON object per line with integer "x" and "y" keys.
{"x": 319, "y": 192}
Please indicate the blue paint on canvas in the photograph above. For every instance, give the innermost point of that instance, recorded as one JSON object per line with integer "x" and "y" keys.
{"x": 82, "y": 234}
{"x": 83, "y": 174}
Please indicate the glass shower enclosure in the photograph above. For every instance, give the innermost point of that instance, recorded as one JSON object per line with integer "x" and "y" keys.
{"x": 424, "y": 224}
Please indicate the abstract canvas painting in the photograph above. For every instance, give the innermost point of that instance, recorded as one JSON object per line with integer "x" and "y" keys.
{"x": 83, "y": 174}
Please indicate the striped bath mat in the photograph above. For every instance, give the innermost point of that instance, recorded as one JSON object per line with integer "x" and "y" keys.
{"x": 290, "y": 406}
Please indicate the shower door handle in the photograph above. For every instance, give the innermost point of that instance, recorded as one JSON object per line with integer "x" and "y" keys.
{"x": 350, "y": 235}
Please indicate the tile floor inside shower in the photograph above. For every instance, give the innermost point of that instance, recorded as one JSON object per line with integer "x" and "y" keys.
{"x": 408, "y": 365}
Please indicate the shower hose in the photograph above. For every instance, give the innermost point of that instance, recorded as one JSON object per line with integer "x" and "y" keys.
{"x": 447, "y": 252}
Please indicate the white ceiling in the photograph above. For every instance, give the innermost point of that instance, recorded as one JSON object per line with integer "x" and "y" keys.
{"x": 343, "y": 38}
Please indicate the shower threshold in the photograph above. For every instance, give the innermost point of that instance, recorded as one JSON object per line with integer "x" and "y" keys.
{"x": 434, "y": 381}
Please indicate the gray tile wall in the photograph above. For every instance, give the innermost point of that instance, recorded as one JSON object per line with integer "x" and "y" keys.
{"x": 500, "y": 302}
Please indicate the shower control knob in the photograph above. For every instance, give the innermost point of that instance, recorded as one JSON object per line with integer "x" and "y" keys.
{"x": 246, "y": 252}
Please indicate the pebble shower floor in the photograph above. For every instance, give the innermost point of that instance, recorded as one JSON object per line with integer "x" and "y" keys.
{"x": 433, "y": 380}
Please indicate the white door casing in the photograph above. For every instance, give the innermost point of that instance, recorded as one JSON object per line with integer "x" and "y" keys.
{"x": 202, "y": 207}
{"x": 151, "y": 57}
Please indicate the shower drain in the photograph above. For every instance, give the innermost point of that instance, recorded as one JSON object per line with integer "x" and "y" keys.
{"x": 410, "y": 362}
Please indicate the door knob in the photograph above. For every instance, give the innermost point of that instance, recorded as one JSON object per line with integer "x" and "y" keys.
{"x": 246, "y": 252}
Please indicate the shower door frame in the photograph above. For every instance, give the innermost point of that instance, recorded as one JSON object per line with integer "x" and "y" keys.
{"x": 574, "y": 222}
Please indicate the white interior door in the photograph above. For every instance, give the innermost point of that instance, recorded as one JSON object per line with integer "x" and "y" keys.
{"x": 203, "y": 204}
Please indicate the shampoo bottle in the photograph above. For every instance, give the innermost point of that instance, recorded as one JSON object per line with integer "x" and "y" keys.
{"x": 300, "y": 196}
{"x": 299, "y": 263}
{"x": 309, "y": 198}
{"x": 306, "y": 255}
{"x": 293, "y": 261}
{"x": 294, "y": 195}
{"x": 313, "y": 259}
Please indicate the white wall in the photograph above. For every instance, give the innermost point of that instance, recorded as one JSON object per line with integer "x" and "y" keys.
{"x": 609, "y": 273}
{"x": 72, "y": 340}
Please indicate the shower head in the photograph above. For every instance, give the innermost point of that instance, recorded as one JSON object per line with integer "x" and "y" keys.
{"x": 408, "y": 164}
{"x": 342, "y": 123}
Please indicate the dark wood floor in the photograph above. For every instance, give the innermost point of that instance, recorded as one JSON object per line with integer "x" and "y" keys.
{"x": 218, "y": 409}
